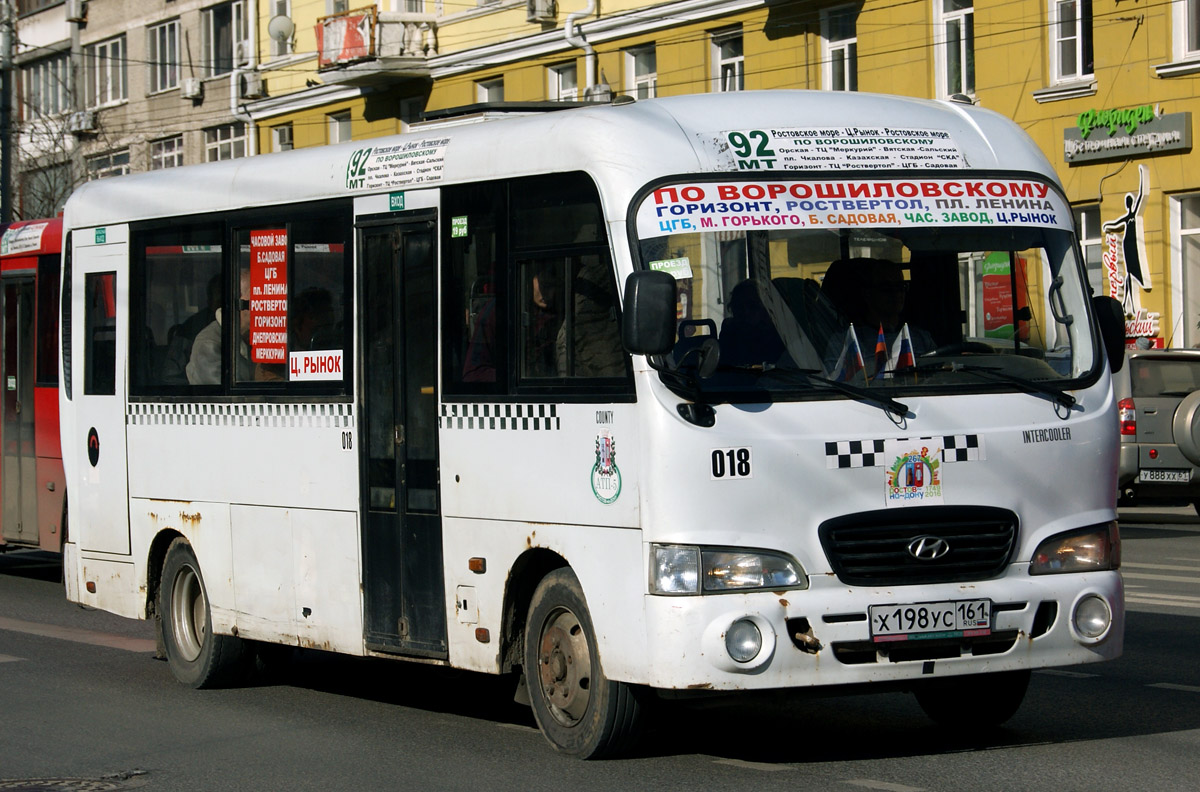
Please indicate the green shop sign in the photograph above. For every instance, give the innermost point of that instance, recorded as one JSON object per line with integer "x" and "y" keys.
{"x": 1128, "y": 119}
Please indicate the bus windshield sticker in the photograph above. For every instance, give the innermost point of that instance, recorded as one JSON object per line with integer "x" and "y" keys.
{"x": 323, "y": 364}
{"x": 407, "y": 163}
{"x": 813, "y": 204}
{"x": 26, "y": 239}
{"x": 833, "y": 148}
{"x": 679, "y": 268}
{"x": 268, "y": 296}
{"x": 913, "y": 472}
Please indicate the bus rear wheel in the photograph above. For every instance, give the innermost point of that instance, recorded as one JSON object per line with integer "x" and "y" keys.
{"x": 580, "y": 711}
{"x": 197, "y": 657}
{"x": 974, "y": 701}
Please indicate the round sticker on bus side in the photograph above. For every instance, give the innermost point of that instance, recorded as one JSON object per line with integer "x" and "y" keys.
{"x": 93, "y": 443}
{"x": 606, "y": 476}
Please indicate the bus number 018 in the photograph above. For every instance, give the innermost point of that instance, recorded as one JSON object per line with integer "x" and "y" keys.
{"x": 347, "y": 441}
{"x": 731, "y": 463}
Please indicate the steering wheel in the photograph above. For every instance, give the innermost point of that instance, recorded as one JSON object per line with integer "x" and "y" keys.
{"x": 962, "y": 348}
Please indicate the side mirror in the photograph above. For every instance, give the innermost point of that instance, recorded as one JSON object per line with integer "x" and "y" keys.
{"x": 648, "y": 319}
{"x": 1111, "y": 318}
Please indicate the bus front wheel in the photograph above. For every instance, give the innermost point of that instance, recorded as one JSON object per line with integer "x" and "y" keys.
{"x": 979, "y": 701}
{"x": 197, "y": 656}
{"x": 581, "y": 712}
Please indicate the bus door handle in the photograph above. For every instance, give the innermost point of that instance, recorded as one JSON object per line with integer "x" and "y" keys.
{"x": 399, "y": 434}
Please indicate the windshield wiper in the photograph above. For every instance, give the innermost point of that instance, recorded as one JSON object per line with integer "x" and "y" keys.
{"x": 813, "y": 376}
{"x": 1055, "y": 392}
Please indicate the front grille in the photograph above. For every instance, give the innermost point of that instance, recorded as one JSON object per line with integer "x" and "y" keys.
{"x": 872, "y": 548}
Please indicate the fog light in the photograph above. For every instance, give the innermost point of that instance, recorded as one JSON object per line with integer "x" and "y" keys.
{"x": 743, "y": 640}
{"x": 1092, "y": 617}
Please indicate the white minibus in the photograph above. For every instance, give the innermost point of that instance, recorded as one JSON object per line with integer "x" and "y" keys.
{"x": 762, "y": 390}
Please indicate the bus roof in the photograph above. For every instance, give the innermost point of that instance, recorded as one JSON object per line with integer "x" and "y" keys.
{"x": 623, "y": 146}
{"x": 32, "y": 238}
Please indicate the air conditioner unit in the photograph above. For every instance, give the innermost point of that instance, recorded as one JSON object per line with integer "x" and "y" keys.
{"x": 192, "y": 88}
{"x": 82, "y": 123}
{"x": 251, "y": 87}
{"x": 540, "y": 10}
{"x": 76, "y": 11}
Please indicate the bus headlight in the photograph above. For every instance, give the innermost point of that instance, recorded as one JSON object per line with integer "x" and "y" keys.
{"x": 1091, "y": 549}
{"x": 693, "y": 570}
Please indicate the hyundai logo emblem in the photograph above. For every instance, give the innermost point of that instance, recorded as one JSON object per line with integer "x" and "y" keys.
{"x": 928, "y": 548}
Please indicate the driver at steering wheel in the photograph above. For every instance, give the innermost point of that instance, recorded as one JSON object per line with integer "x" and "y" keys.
{"x": 877, "y": 305}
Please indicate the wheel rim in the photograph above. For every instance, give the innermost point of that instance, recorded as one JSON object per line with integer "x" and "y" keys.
{"x": 189, "y": 613}
{"x": 565, "y": 667}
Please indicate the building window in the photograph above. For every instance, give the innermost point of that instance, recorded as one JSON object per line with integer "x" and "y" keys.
{"x": 225, "y": 142}
{"x": 729, "y": 62}
{"x": 490, "y": 90}
{"x": 115, "y": 163}
{"x": 410, "y": 111}
{"x": 1189, "y": 248}
{"x": 1071, "y": 34}
{"x": 46, "y": 84}
{"x": 1185, "y": 21}
{"x": 223, "y": 38}
{"x": 164, "y": 56}
{"x": 105, "y": 69}
{"x": 839, "y": 48}
{"x": 641, "y": 69}
{"x": 1091, "y": 239}
{"x": 281, "y": 47}
{"x": 563, "y": 83}
{"x": 339, "y": 127}
{"x": 955, "y": 51}
{"x": 166, "y": 153}
{"x": 44, "y": 191}
{"x": 281, "y": 137}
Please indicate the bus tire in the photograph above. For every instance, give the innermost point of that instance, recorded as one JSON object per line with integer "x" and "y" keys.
{"x": 581, "y": 712}
{"x": 197, "y": 657}
{"x": 973, "y": 701}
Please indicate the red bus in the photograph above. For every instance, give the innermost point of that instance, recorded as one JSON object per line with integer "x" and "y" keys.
{"x": 32, "y": 489}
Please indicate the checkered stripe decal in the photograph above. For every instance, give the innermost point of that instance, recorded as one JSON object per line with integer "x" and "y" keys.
{"x": 854, "y": 454}
{"x": 505, "y": 417}
{"x": 249, "y": 414}
{"x": 869, "y": 453}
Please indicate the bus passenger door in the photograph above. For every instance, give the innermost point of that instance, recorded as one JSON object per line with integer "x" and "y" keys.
{"x": 99, "y": 303}
{"x": 403, "y": 581}
{"x": 18, "y": 470}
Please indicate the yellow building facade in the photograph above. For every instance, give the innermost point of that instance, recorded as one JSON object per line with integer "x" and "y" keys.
{"x": 1106, "y": 91}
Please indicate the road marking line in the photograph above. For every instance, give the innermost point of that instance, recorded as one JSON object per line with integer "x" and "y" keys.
{"x": 78, "y": 635}
{"x": 1161, "y": 595}
{"x": 883, "y": 785}
{"x": 519, "y": 727}
{"x": 769, "y": 768}
{"x": 1171, "y": 578}
{"x": 1171, "y": 686}
{"x": 9, "y": 659}
{"x": 1159, "y": 601}
{"x": 1061, "y": 673}
{"x": 1167, "y": 567}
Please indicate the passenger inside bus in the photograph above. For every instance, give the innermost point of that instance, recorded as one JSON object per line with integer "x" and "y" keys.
{"x": 313, "y": 323}
{"x": 182, "y": 336}
{"x": 748, "y": 336}
{"x": 204, "y": 365}
{"x": 543, "y": 324}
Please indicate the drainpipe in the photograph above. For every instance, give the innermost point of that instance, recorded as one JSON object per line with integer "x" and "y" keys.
{"x": 235, "y": 86}
{"x": 592, "y": 91}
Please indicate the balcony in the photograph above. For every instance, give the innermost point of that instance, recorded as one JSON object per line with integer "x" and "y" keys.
{"x": 367, "y": 47}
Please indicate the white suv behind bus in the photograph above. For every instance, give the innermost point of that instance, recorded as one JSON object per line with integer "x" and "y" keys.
{"x": 1158, "y": 392}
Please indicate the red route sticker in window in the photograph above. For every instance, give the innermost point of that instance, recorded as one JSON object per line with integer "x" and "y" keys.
{"x": 268, "y": 296}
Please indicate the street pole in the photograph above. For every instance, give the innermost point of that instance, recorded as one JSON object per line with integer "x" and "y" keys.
{"x": 7, "y": 40}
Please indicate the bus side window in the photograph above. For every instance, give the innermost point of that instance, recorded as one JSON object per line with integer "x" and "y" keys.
{"x": 474, "y": 293}
{"x": 100, "y": 321}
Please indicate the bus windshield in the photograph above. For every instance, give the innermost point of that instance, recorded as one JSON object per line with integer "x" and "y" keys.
{"x": 896, "y": 286}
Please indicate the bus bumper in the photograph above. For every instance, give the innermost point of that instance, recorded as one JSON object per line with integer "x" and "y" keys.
{"x": 821, "y": 636}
